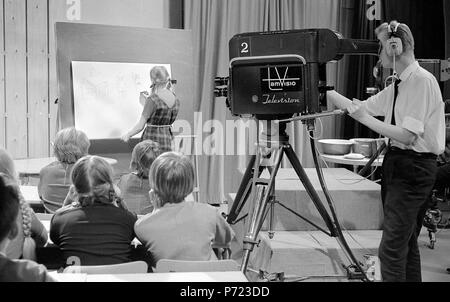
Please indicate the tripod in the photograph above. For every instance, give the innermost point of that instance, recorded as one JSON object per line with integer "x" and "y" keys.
{"x": 261, "y": 192}
{"x": 270, "y": 158}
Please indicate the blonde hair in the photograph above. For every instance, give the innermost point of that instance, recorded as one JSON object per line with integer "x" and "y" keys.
{"x": 160, "y": 78}
{"x": 171, "y": 177}
{"x": 70, "y": 145}
{"x": 8, "y": 172}
{"x": 403, "y": 32}
{"x": 143, "y": 156}
{"x": 92, "y": 178}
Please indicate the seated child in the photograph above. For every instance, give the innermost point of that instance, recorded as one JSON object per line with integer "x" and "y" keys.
{"x": 134, "y": 186}
{"x": 32, "y": 232}
{"x": 14, "y": 270}
{"x": 70, "y": 145}
{"x": 96, "y": 229}
{"x": 178, "y": 229}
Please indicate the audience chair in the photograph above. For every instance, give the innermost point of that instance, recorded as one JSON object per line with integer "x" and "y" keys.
{"x": 168, "y": 266}
{"x": 136, "y": 267}
{"x": 51, "y": 206}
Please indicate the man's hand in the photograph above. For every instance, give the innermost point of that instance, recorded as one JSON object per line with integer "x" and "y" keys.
{"x": 357, "y": 111}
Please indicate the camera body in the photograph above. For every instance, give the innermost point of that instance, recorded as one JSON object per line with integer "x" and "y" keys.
{"x": 259, "y": 87}
{"x": 284, "y": 73}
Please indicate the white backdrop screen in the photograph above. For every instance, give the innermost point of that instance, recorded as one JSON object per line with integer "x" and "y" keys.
{"x": 106, "y": 96}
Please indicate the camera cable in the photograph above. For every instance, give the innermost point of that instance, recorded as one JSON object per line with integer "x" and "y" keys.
{"x": 328, "y": 197}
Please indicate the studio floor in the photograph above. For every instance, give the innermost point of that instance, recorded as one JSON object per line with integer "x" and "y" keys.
{"x": 436, "y": 261}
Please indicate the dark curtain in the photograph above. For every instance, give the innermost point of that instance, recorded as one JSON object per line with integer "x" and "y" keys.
{"x": 446, "y": 10}
{"x": 358, "y": 72}
{"x": 426, "y": 21}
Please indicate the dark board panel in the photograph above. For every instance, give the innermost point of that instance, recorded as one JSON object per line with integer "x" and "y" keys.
{"x": 103, "y": 43}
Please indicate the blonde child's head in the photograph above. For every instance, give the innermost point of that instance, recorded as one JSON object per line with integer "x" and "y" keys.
{"x": 160, "y": 78}
{"x": 70, "y": 145}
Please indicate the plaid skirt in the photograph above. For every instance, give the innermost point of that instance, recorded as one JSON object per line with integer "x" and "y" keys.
{"x": 162, "y": 135}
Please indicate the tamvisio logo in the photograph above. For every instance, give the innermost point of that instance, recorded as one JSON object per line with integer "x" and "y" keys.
{"x": 281, "y": 79}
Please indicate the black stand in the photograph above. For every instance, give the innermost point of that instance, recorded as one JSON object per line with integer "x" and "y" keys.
{"x": 262, "y": 191}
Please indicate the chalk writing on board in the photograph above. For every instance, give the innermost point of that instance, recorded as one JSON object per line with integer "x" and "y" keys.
{"x": 106, "y": 96}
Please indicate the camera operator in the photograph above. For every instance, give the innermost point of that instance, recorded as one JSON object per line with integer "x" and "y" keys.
{"x": 415, "y": 126}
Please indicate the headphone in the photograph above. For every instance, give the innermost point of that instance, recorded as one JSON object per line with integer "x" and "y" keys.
{"x": 394, "y": 42}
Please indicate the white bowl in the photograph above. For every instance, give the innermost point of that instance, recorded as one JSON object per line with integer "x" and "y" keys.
{"x": 335, "y": 146}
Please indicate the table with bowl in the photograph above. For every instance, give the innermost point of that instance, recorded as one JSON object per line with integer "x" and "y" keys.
{"x": 355, "y": 152}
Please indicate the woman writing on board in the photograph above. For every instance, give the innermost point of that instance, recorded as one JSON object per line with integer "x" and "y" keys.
{"x": 161, "y": 108}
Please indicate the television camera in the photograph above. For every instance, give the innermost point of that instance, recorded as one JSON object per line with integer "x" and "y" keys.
{"x": 279, "y": 74}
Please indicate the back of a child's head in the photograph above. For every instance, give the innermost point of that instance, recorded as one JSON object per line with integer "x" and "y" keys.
{"x": 7, "y": 165}
{"x": 143, "y": 156}
{"x": 171, "y": 177}
{"x": 9, "y": 206}
{"x": 70, "y": 145}
{"x": 92, "y": 177}
{"x": 160, "y": 77}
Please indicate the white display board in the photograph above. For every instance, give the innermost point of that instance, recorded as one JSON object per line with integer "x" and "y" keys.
{"x": 106, "y": 96}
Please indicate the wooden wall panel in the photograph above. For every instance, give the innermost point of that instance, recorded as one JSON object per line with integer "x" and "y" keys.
{"x": 2, "y": 80}
{"x": 28, "y": 71}
{"x": 57, "y": 12}
{"x": 38, "y": 130}
{"x": 16, "y": 77}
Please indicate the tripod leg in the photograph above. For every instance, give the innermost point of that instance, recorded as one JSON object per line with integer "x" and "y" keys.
{"x": 271, "y": 217}
{"x": 243, "y": 192}
{"x": 257, "y": 219}
{"x": 310, "y": 188}
{"x": 271, "y": 209}
{"x": 260, "y": 197}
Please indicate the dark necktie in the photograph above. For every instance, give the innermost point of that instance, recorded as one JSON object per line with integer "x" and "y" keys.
{"x": 393, "y": 107}
{"x": 395, "y": 100}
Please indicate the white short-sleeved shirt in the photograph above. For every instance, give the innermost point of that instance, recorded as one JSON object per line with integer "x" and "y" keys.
{"x": 419, "y": 109}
